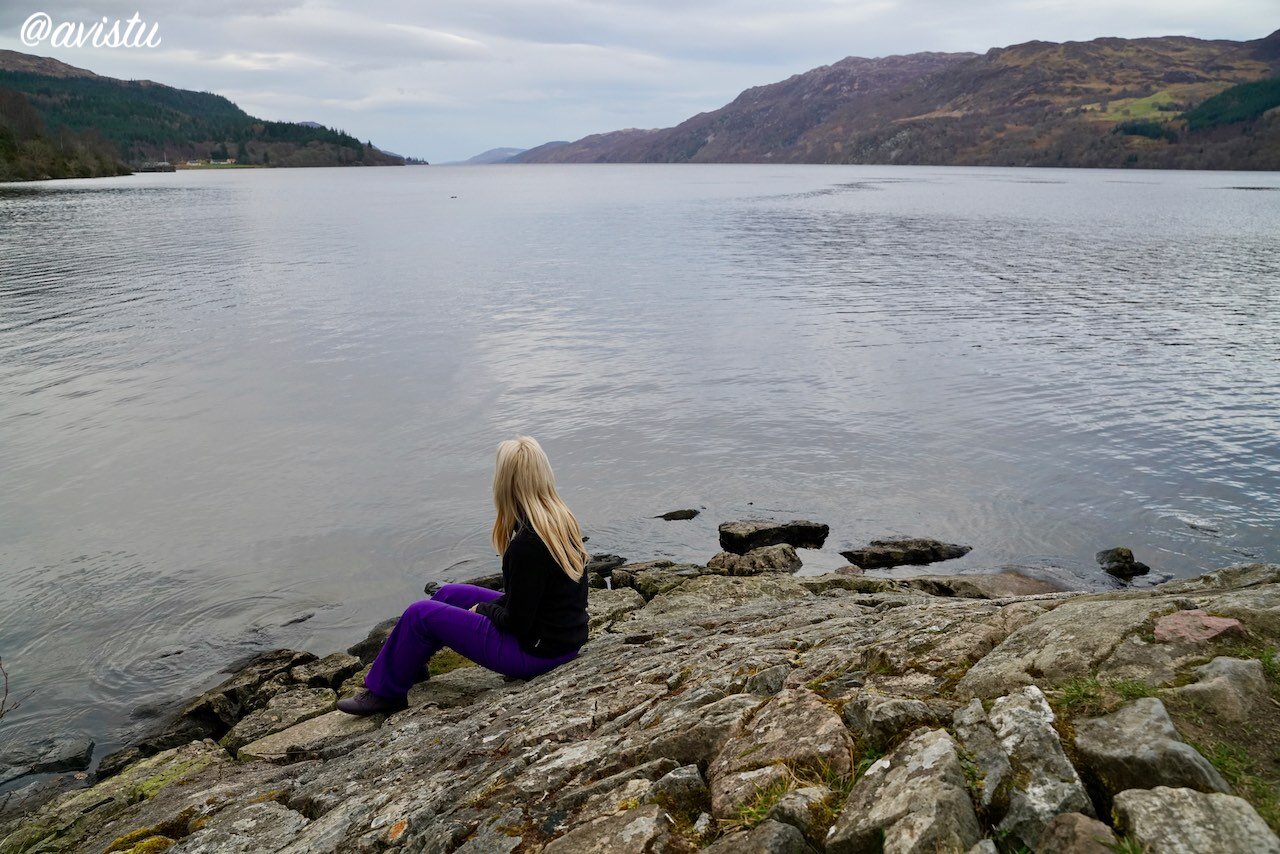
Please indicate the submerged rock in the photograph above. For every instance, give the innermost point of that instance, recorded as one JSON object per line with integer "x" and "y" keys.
{"x": 1119, "y": 562}
{"x": 1184, "y": 821}
{"x": 213, "y": 713}
{"x": 1138, "y": 747}
{"x": 743, "y": 536}
{"x": 778, "y": 558}
{"x": 915, "y": 551}
{"x": 68, "y": 753}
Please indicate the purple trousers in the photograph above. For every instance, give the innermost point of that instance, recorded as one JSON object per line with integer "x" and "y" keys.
{"x": 445, "y": 620}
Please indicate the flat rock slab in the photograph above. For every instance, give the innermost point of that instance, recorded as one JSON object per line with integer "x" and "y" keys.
{"x": 245, "y": 829}
{"x": 778, "y": 558}
{"x": 1074, "y": 640}
{"x": 646, "y": 828}
{"x": 329, "y": 672}
{"x": 1184, "y": 821}
{"x": 994, "y": 585}
{"x": 282, "y": 711}
{"x": 913, "y": 551}
{"x": 605, "y": 606}
{"x": 654, "y": 577}
{"x": 743, "y": 536}
{"x": 1076, "y": 833}
{"x": 455, "y": 688}
{"x": 1195, "y": 627}
{"x": 1138, "y": 747}
{"x": 303, "y": 740}
{"x": 794, "y": 728}
{"x": 913, "y": 800}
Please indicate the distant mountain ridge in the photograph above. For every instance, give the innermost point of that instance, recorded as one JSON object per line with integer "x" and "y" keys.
{"x": 493, "y": 155}
{"x": 1106, "y": 102}
{"x": 146, "y": 121}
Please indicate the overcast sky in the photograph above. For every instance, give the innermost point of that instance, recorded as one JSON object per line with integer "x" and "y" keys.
{"x": 447, "y": 79}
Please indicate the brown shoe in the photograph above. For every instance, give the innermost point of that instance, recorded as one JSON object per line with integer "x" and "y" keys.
{"x": 368, "y": 703}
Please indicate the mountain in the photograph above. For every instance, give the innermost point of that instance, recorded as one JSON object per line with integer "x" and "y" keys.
{"x": 493, "y": 155}
{"x": 1106, "y": 102}
{"x": 144, "y": 121}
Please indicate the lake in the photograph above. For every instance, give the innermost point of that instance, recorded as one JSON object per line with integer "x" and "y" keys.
{"x": 258, "y": 408}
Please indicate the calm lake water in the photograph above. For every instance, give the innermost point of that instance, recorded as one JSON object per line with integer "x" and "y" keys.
{"x": 232, "y": 400}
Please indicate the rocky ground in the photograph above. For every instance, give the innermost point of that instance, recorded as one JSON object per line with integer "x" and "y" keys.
{"x": 740, "y": 708}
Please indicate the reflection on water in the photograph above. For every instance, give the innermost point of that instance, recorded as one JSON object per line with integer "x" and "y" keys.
{"x": 232, "y": 401}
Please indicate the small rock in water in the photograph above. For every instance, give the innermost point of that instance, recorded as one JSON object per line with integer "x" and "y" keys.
{"x": 677, "y": 515}
{"x": 904, "y": 551}
{"x": 301, "y": 618}
{"x": 603, "y": 564}
{"x": 1119, "y": 562}
{"x": 743, "y": 536}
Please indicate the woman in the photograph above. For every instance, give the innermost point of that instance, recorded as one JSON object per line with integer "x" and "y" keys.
{"x": 538, "y": 624}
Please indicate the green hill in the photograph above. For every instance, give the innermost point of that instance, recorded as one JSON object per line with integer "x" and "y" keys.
{"x": 143, "y": 121}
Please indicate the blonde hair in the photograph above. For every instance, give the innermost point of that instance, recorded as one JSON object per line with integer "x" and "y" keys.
{"x": 524, "y": 487}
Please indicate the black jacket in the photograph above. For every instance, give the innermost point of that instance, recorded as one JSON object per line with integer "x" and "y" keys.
{"x": 542, "y": 606}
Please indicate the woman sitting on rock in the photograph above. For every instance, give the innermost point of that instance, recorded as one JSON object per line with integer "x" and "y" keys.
{"x": 538, "y": 624}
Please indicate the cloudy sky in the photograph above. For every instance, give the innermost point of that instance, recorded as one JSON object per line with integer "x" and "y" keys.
{"x": 447, "y": 79}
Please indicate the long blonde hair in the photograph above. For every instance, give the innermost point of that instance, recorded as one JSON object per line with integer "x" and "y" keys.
{"x": 525, "y": 487}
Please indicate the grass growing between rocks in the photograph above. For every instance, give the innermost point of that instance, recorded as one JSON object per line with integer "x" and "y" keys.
{"x": 1246, "y": 754}
{"x": 1090, "y": 696}
{"x": 757, "y": 809}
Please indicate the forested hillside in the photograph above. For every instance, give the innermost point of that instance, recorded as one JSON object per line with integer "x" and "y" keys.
{"x": 138, "y": 121}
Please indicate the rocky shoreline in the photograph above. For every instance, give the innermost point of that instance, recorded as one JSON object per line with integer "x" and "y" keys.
{"x": 739, "y": 707}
